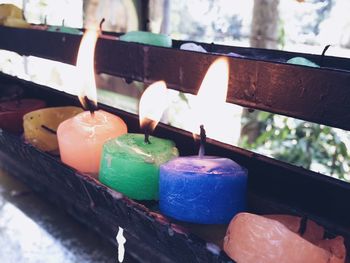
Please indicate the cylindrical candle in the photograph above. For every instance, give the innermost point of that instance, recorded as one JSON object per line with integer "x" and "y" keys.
{"x": 11, "y": 113}
{"x": 40, "y": 126}
{"x": 205, "y": 190}
{"x": 148, "y": 38}
{"x": 81, "y": 138}
{"x": 131, "y": 166}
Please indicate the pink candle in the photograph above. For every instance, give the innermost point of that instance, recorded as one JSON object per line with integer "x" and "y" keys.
{"x": 252, "y": 238}
{"x": 81, "y": 138}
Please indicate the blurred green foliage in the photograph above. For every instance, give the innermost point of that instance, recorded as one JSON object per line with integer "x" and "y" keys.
{"x": 312, "y": 146}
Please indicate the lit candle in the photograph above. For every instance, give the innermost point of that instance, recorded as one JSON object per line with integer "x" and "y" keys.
{"x": 40, "y": 126}
{"x": 81, "y": 138}
{"x": 252, "y": 238}
{"x": 11, "y": 113}
{"x": 130, "y": 163}
{"x": 204, "y": 189}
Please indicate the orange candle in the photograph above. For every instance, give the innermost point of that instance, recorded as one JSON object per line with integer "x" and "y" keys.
{"x": 81, "y": 138}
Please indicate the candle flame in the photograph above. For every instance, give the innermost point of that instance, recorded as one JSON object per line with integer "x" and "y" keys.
{"x": 152, "y": 104}
{"x": 211, "y": 97}
{"x": 85, "y": 69}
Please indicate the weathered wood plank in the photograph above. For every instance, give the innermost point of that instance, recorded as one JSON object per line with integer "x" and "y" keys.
{"x": 149, "y": 234}
{"x": 258, "y": 81}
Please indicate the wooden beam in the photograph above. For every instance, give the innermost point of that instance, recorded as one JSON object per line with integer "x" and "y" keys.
{"x": 259, "y": 80}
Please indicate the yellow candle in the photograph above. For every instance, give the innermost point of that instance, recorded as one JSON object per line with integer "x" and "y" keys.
{"x": 40, "y": 126}
{"x": 81, "y": 138}
{"x": 12, "y": 16}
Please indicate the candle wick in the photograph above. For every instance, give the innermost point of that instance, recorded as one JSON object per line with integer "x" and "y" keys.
{"x": 48, "y": 129}
{"x": 203, "y": 141}
{"x": 146, "y": 127}
{"x": 323, "y": 55}
{"x": 303, "y": 224}
{"x": 147, "y": 141}
{"x": 101, "y": 23}
{"x": 90, "y": 106}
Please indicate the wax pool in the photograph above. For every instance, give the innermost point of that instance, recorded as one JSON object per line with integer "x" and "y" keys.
{"x": 81, "y": 138}
{"x": 11, "y": 113}
{"x": 131, "y": 166}
{"x": 205, "y": 190}
{"x": 40, "y": 126}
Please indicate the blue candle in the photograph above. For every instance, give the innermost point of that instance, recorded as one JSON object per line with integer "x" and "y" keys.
{"x": 204, "y": 190}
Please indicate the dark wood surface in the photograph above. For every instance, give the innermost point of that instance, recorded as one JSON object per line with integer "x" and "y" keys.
{"x": 150, "y": 236}
{"x": 262, "y": 80}
{"x": 273, "y": 186}
{"x": 33, "y": 230}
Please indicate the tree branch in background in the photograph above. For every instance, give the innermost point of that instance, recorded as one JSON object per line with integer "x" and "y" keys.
{"x": 264, "y": 31}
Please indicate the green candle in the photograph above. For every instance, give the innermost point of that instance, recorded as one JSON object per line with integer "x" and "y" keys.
{"x": 64, "y": 29}
{"x": 131, "y": 166}
{"x": 302, "y": 61}
{"x": 147, "y": 38}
